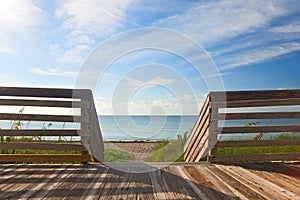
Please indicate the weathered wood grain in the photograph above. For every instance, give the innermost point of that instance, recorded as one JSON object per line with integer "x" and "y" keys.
{"x": 255, "y": 95}
{"x": 40, "y": 103}
{"x": 259, "y": 143}
{"x": 254, "y": 157}
{"x": 255, "y": 115}
{"x": 193, "y": 133}
{"x": 36, "y": 132}
{"x": 257, "y": 129}
{"x": 42, "y": 146}
{"x": 36, "y": 117}
{"x": 44, "y": 158}
{"x": 256, "y": 103}
{"x": 52, "y": 97}
{"x": 43, "y": 92}
{"x": 202, "y": 181}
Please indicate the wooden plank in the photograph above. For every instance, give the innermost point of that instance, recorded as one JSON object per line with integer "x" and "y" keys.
{"x": 43, "y": 158}
{"x": 257, "y": 94}
{"x": 256, "y": 103}
{"x": 255, "y": 157}
{"x": 252, "y": 143}
{"x": 43, "y": 103}
{"x": 42, "y": 92}
{"x": 35, "y": 117}
{"x": 42, "y": 146}
{"x": 255, "y": 115}
{"x": 34, "y": 132}
{"x": 256, "y": 129}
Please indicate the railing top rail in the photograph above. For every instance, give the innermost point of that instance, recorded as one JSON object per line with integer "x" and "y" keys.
{"x": 44, "y": 92}
{"x": 254, "y": 95}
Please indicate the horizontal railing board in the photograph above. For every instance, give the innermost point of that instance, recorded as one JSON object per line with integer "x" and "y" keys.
{"x": 41, "y": 146}
{"x": 259, "y": 94}
{"x": 39, "y": 132}
{"x": 43, "y": 92}
{"x": 255, "y": 129}
{"x": 254, "y": 157}
{"x": 255, "y": 115}
{"x": 40, "y": 103}
{"x": 44, "y": 158}
{"x": 253, "y": 143}
{"x": 35, "y": 117}
{"x": 256, "y": 103}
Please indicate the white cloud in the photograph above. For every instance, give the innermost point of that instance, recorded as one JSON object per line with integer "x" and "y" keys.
{"x": 53, "y": 72}
{"x": 95, "y": 17}
{"x": 138, "y": 104}
{"x": 73, "y": 56}
{"x": 18, "y": 21}
{"x": 19, "y": 15}
{"x": 79, "y": 37}
{"x": 85, "y": 21}
{"x": 161, "y": 102}
{"x": 7, "y": 51}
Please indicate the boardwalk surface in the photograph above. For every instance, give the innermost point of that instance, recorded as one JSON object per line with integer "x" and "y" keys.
{"x": 203, "y": 181}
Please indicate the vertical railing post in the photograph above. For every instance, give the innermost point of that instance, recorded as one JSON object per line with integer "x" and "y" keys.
{"x": 213, "y": 127}
{"x": 85, "y": 121}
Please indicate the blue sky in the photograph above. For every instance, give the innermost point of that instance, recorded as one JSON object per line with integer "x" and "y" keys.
{"x": 254, "y": 44}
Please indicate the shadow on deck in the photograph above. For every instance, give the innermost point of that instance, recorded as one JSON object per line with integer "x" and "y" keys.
{"x": 183, "y": 181}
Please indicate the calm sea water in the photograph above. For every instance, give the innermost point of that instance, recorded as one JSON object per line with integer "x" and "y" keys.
{"x": 145, "y": 127}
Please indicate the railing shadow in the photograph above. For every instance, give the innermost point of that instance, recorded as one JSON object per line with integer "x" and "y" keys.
{"x": 83, "y": 181}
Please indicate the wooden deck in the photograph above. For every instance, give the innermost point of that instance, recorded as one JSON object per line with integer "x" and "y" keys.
{"x": 180, "y": 181}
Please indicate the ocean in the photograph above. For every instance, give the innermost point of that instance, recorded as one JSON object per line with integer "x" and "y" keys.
{"x": 145, "y": 127}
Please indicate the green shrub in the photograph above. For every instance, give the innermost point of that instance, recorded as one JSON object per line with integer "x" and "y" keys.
{"x": 112, "y": 155}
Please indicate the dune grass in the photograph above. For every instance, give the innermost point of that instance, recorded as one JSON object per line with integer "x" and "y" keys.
{"x": 112, "y": 155}
{"x": 169, "y": 150}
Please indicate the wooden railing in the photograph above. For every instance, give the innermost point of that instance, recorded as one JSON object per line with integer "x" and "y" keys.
{"x": 206, "y": 137}
{"x": 198, "y": 142}
{"x": 85, "y": 125}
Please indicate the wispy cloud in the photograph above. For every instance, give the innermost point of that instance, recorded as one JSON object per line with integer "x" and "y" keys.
{"x": 293, "y": 27}
{"x": 258, "y": 55}
{"x": 53, "y": 72}
{"x": 85, "y": 22}
{"x": 239, "y": 33}
{"x": 214, "y": 21}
